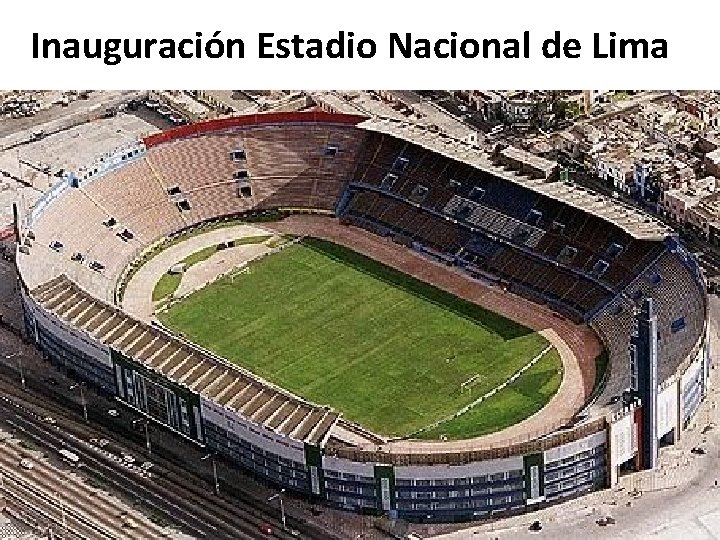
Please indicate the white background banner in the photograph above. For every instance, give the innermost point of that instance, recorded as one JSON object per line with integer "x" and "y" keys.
{"x": 689, "y": 30}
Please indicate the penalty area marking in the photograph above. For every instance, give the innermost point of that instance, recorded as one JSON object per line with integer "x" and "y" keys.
{"x": 482, "y": 398}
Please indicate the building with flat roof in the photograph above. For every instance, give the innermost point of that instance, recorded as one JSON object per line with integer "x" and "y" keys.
{"x": 677, "y": 202}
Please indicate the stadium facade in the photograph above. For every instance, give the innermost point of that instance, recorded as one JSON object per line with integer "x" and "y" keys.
{"x": 502, "y": 216}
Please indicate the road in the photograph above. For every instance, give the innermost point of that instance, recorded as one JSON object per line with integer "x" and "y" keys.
{"x": 181, "y": 485}
{"x": 66, "y": 501}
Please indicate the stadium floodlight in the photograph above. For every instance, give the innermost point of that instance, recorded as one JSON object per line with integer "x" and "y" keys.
{"x": 81, "y": 386}
{"x": 147, "y": 433}
{"x": 19, "y": 363}
{"x": 216, "y": 481}
{"x": 282, "y": 508}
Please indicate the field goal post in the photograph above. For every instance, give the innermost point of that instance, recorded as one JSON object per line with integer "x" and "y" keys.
{"x": 468, "y": 384}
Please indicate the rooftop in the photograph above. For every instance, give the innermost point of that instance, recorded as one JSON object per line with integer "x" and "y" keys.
{"x": 632, "y": 220}
{"x": 416, "y": 109}
{"x": 72, "y": 148}
{"x": 693, "y": 195}
{"x": 713, "y": 156}
{"x": 197, "y": 370}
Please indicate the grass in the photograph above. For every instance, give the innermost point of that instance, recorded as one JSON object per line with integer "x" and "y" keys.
{"x": 264, "y": 217}
{"x": 169, "y": 283}
{"x": 166, "y": 286}
{"x": 199, "y": 256}
{"x": 341, "y": 329}
{"x": 517, "y": 401}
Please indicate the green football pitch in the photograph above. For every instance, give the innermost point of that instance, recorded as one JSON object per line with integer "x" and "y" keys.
{"x": 388, "y": 351}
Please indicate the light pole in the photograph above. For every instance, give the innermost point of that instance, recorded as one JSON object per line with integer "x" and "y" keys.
{"x": 214, "y": 469}
{"x": 282, "y": 508}
{"x": 19, "y": 363}
{"x": 147, "y": 433}
{"x": 81, "y": 385}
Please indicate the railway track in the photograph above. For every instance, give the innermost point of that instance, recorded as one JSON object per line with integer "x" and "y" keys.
{"x": 44, "y": 517}
{"x": 151, "y": 494}
{"x": 74, "y": 493}
{"x": 87, "y": 512}
{"x": 172, "y": 493}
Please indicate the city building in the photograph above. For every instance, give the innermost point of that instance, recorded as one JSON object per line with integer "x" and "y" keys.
{"x": 677, "y": 202}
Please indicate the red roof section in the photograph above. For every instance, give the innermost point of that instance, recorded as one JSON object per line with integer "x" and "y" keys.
{"x": 220, "y": 124}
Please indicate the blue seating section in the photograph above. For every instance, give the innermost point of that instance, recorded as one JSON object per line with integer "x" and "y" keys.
{"x": 494, "y": 225}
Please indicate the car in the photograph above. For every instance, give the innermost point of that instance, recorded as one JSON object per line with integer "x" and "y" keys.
{"x": 26, "y": 464}
{"x": 49, "y": 420}
{"x": 114, "y": 413}
{"x": 127, "y": 458}
{"x": 265, "y": 528}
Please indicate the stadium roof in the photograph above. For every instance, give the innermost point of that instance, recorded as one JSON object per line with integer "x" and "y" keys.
{"x": 212, "y": 377}
{"x": 636, "y": 223}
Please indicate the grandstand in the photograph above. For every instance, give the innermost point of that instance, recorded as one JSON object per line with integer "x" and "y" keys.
{"x": 498, "y": 228}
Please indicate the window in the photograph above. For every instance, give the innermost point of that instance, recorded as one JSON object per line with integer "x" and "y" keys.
{"x": 567, "y": 254}
{"x": 614, "y": 250}
{"x": 240, "y": 174}
{"x": 174, "y": 190}
{"x": 245, "y": 191}
{"x": 534, "y": 217}
{"x": 520, "y": 235}
{"x": 497, "y": 477}
{"x": 600, "y": 268}
{"x": 389, "y": 181}
{"x": 110, "y": 222}
{"x": 677, "y": 325}
{"x": 184, "y": 205}
{"x": 330, "y": 151}
{"x": 476, "y": 194}
{"x": 418, "y": 194}
{"x": 238, "y": 155}
{"x": 126, "y": 235}
{"x": 463, "y": 211}
{"x": 401, "y": 164}
{"x": 557, "y": 227}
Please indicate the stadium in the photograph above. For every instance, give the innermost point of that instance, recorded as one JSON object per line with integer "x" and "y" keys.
{"x": 371, "y": 313}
